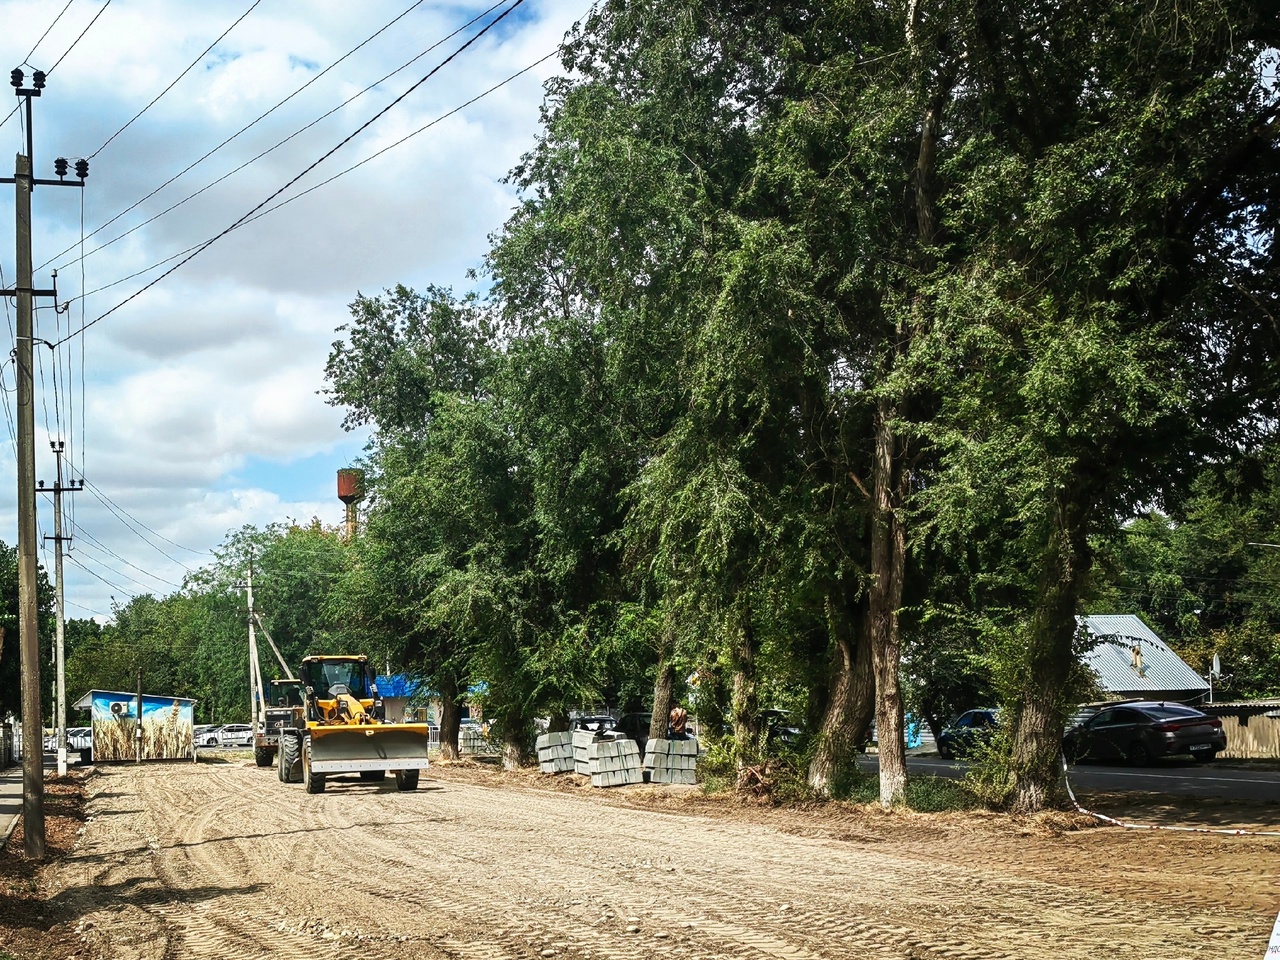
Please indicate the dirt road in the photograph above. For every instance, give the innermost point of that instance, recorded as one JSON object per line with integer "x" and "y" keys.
{"x": 224, "y": 861}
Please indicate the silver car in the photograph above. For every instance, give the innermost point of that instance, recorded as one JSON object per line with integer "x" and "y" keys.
{"x": 236, "y": 735}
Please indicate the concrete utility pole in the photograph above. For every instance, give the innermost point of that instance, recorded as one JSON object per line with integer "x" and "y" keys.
{"x": 28, "y": 616}
{"x": 59, "y": 650}
{"x": 255, "y": 669}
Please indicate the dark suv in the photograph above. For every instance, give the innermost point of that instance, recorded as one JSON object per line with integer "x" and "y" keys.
{"x": 1140, "y": 732}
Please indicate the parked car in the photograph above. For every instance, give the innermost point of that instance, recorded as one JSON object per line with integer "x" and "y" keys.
{"x": 780, "y": 727}
{"x": 597, "y": 723}
{"x": 635, "y": 726}
{"x": 1141, "y": 732}
{"x": 236, "y": 735}
{"x": 967, "y": 732}
{"x": 79, "y": 738}
{"x": 206, "y": 735}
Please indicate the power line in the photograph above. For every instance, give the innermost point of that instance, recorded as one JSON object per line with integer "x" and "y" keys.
{"x": 355, "y": 133}
{"x": 114, "y": 572}
{"x": 98, "y": 544}
{"x": 120, "y": 514}
{"x": 254, "y": 159}
{"x": 191, "y": 166}
{"x": 50, "y": 71}
{"x": 341, "y": 173}
{"x": 114, "y": 586}
{"x": 30, "y": 53}
{"x": 189, "y": 68}
{"x": 406, "y": 137}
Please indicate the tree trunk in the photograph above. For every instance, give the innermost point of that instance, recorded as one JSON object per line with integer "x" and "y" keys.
{"x": 450, "y": 719}
{"x": 513, "y": 744}
{"x": 850, "y": 702}
{"x": 662, "y": 687}
{"x": 888, "y": 560}
{"x": 1049, "y": 660}
{"x": 746, "y": 707}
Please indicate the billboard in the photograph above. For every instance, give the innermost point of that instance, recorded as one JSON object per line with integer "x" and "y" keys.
{"x": 167, "y": 727}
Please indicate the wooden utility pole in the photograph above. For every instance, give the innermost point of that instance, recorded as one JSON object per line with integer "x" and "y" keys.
{"x": 28, "y": 614}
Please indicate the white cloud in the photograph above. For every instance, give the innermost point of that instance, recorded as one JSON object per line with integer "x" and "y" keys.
{"x": 200, "y": 409}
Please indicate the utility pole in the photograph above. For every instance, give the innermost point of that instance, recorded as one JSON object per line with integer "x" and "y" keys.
{"x": 255, "y": 675}
{"x": 28, "y": 614}
{"x": 60, "y": 650}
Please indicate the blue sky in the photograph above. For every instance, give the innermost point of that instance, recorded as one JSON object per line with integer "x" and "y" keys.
{"x": 193, "y": 407}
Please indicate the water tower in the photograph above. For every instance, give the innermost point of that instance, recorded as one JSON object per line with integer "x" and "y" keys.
{"x": 351, "y": 492}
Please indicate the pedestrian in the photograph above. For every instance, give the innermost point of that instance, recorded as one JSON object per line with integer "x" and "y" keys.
{"x": 677, "y": 723}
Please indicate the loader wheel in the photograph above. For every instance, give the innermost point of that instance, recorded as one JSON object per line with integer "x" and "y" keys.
{"x": 406, "y": 779}
{"x": 263, "y": 756}
{"x": 290, "y": 762}
{"x": 374, "y": 776}
{"x": 313, "y": 782}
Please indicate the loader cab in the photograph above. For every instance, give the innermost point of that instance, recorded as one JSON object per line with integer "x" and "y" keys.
{"x": 327, "y": 679}
{"x": 287, "y": 693}
{"x": 325, "y": 676}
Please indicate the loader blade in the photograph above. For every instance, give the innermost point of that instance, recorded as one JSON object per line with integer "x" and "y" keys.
{"x": 389, "y": 746}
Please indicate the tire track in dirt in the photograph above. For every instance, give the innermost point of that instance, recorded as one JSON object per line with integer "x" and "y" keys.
{"x": 225, "y": 861}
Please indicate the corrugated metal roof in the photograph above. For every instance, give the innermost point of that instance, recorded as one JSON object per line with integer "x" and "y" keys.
{"x": 1112, "y": 658}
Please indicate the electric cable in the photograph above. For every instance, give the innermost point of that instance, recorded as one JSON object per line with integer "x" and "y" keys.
{"x": 98, "y": 544}
{"x": 406, "y": 137}
{"x": 254, "y": 159}
{"x": 101, "y": 11}
{"x": 8, "y": 410}
{"x": 253, "y": 6}
{"x": 114, "y": 507}
{"x": 191, "y": 166}
{"x": 342, "y": 173}
{"x": 30, "y": 53}
{"x": 86, "y": 556}
{"x": 355, "y": 133}
{"x": 64, "y": 55}
{"x": 70, "y": 558}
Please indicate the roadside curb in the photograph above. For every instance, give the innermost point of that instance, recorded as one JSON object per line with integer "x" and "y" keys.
{"x": 7, "y": 777}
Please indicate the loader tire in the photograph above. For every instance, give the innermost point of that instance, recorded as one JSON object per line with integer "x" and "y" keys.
{"x": 407, "y": 779}
{"x": 374, "y": 776}
{"x": 263, "y": 756}
{"x": 313, "y": 782}
{"x": 290, "y": 762}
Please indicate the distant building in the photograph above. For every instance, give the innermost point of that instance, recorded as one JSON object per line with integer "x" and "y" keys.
{"x": 1131, "y": 662}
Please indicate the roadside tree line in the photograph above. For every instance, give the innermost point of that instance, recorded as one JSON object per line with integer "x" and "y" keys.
{"x": 836, "y": 357}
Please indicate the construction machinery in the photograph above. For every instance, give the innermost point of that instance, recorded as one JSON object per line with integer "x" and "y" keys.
{"x": 284, "y": 708}
{"x": 342, "y": 728}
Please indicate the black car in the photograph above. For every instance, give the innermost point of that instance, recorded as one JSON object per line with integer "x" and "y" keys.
{"x": 635, "y": 726}
{"x": 779, "y": 726}
{"x": 967, "y": 731}
{"x": 1141, "y": 732}
{"x": 599, "y": 723}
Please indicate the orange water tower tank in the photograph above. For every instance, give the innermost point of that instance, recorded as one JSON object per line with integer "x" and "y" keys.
{"x": 350, "y": 485}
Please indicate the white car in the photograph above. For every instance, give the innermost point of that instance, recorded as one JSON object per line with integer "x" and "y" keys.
{"x": 206, "y": 734}
{"x": 236, "y": 735}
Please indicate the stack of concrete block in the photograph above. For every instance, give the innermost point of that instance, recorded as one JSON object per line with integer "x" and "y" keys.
{"x": 582, "y": 740}
{"x": 555, "y": 752}
{"x": 672, "y": 761}
{"x": 614, "y": 763}
{"x": 471, "y": 739}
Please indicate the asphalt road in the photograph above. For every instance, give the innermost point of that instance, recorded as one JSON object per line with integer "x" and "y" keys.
{"x": 1169, "y": 778}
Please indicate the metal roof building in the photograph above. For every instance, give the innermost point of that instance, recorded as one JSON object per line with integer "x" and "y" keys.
{"x": 1131, "y": 661}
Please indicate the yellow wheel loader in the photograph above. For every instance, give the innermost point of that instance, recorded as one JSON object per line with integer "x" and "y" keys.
{"x": 343, "y": 729}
